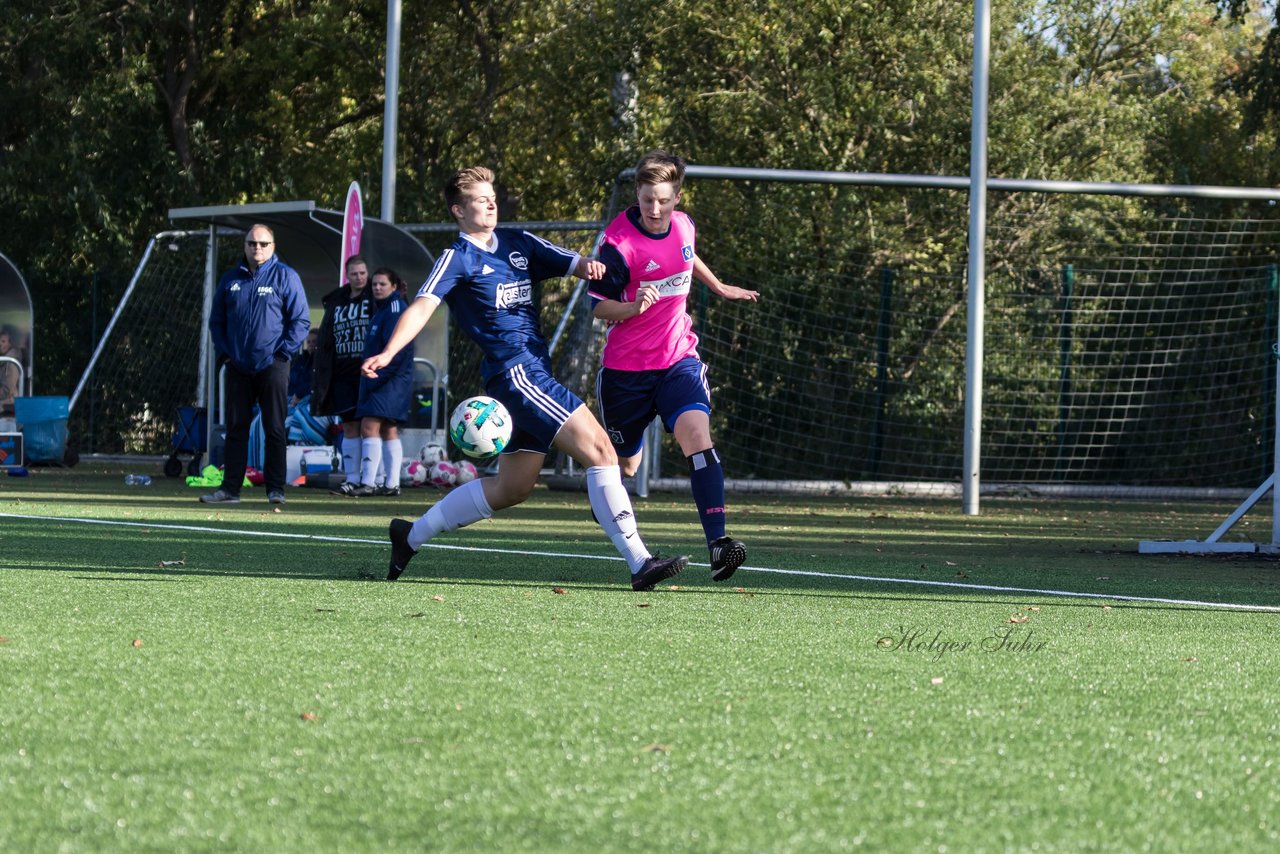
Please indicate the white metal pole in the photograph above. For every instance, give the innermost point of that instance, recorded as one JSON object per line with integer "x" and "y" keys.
{"x": 977, "y": 258}
{"x": 1275, "y": 474}
{"x": 390, "y": 115}
{"x": 102, "y": 342}
{"x": 209, "y": 359}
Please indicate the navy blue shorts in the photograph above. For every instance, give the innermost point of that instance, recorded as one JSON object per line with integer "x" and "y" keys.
{"x": 538, "y": 403}
{"x": 630, "y": 399}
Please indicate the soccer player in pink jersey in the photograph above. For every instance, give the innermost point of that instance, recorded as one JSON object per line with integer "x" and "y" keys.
{"x": 650, "y": 364}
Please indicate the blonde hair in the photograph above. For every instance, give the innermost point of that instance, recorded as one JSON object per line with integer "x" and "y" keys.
{"x": 457, "y": 187}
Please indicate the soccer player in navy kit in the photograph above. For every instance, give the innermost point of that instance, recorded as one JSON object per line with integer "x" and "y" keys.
{"x": 384, "y": 400}
{"x": 487, "y": 278}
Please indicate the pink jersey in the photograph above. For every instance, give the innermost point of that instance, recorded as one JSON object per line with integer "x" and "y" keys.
{"x": 663, "y": 334}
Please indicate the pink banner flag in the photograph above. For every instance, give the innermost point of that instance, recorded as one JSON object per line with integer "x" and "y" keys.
{"x": 352, "y": 225}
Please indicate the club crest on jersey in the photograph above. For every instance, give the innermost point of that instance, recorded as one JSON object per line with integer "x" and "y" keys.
{"x": 686, "y": 252}
{"x": 518, "y": 261}
{"x": 510, "y": 294}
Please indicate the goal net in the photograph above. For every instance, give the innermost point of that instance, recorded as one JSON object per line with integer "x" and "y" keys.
{"x": 147, "y": 363}
{"x": 1128, "y": 340}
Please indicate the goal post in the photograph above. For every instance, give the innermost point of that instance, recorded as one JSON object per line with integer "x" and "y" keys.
{"x": 1122, "y": 334}
{"x": 1214, "y": 544}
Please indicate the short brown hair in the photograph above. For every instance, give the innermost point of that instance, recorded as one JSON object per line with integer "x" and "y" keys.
{"x": 356, "y": 259}
{"x": 658, "y": 167}
{"x": 456, "y": 188}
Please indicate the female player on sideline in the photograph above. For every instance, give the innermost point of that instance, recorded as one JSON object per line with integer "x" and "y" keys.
{"x": 487, "y": 277}
{"x": 383, "y": 404}
{"x": 650, "y": 364}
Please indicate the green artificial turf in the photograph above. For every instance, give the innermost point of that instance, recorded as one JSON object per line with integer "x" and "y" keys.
{"x": 181, "y": 688}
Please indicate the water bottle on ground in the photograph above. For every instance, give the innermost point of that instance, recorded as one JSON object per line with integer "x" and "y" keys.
{"x": 137, "y": 480}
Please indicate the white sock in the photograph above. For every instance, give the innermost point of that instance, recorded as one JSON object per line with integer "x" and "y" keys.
{"x": 392, "y": 459}
{"x": 459, "y": 508}
{"x": 350, "y": 465}
{"x": 370, "y": 459}
{"x": 612, "y": 506}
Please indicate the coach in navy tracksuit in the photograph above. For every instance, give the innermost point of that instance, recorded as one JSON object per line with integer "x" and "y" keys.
{"x": 258, "y": 322}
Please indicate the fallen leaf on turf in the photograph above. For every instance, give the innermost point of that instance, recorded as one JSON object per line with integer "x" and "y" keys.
{"x": 559, "y": 591}
{"x": 952, "y": 563}
{"x": 419, "y": 614}
{"x": 1103, "y": 578}
{"x": 326, "y": 610}
{"x": 961, "y": 574}
{"x": 165, "y": 563}
{"x": 308, "y": 716}
{"x": 1018, "y": 619}
{"x": 937, "y": 680}
{"x": 3, "y": 639}
{"x": 675, "y": 587}
{"x": 642, "y": 605}
{"x": 1191, "y": 659}
{"x": 1033, "y": 608}
{"x": 739, "y": 590}
{"x": 656, "y": 748}
{"x": 137, "y": 642}
{"x": 1106, "y": 607}
{"x": 437, "y": 598}
{"x": 275, "y": 510}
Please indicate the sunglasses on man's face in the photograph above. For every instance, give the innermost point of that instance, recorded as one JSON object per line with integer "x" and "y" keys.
{"x": 262, "y": 243}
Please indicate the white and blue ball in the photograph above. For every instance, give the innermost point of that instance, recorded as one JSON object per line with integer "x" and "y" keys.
{"x": 480, "y": 427}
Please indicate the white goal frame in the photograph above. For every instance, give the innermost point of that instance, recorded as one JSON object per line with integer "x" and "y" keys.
{"x": 1213, "y": 543}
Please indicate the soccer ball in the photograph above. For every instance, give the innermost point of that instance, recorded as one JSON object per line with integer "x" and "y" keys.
{"x": 417, "y": 472}
{"x": 466, "y": 472}
{"x": 443, "y": 474}
{"x": 432, "y": 453}
{"x": 480, "y": 427}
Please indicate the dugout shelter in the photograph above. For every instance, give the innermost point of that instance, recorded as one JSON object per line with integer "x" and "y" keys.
{"x": 309, "y": 239}
{"x": 17, "y": 319}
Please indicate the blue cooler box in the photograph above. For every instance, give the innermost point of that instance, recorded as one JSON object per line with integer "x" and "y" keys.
{"x": 44, "y": 427}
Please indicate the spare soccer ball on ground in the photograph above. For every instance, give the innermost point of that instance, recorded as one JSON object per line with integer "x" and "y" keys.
{"x": 466, "y": 472}
{"x": 480, "y": 427}
{"x": 417, "y": 472}
{"x": 443, "y": 474}
{"x": 432, "y": 453}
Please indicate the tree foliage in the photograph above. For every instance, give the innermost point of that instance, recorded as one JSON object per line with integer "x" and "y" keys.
{"x": 117, "y": 110}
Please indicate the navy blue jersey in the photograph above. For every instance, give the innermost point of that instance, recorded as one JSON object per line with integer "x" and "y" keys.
{"x": 388, "y": 395}
{"x": 490, "y": 293}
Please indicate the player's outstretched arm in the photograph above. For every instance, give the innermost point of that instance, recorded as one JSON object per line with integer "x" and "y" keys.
{"x": 589, "y": 269}
{"x": 412, "y": 321}
{"x": 703, "y": 274}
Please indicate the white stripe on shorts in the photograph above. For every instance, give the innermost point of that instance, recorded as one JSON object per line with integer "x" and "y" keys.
{"x": 537, "y": 396}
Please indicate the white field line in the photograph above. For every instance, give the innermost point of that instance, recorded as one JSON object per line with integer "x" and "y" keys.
{"x": 871, "y": 579}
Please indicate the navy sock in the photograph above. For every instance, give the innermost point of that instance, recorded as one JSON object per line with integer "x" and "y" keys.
{"x": 706, "y": 477}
